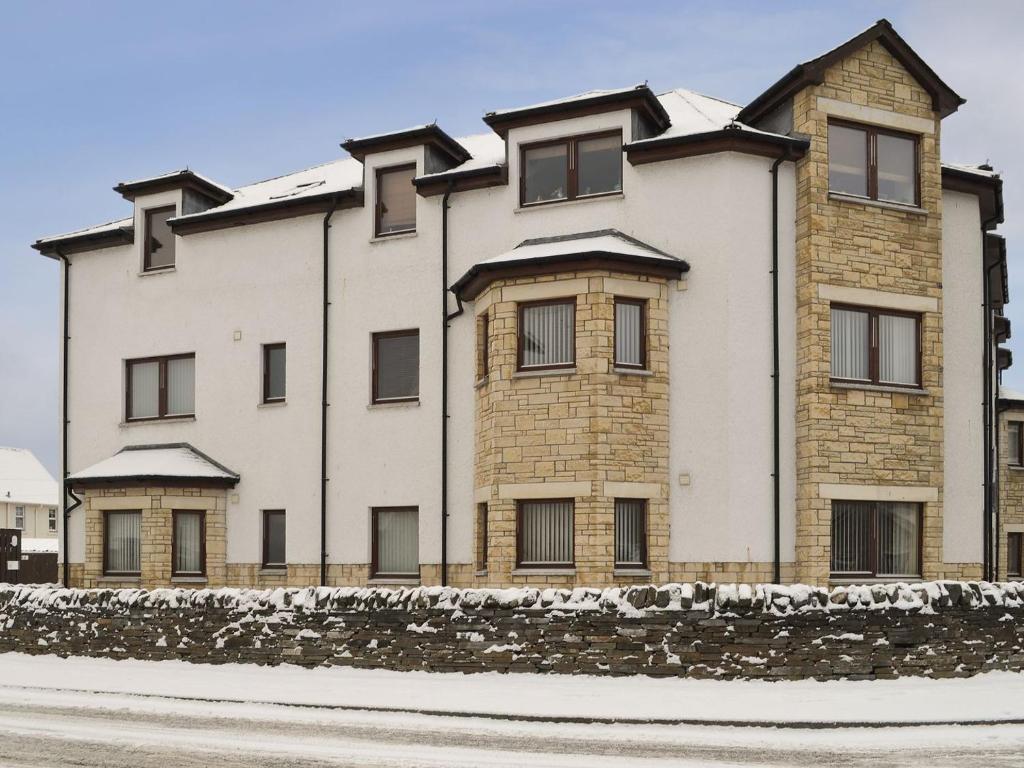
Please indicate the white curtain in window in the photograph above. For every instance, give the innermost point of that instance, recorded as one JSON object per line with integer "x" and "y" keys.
{"x": 548, "y": 334}
{"x": 851, "y": 537}
{"x": 1013, "y": 442}
{"x": 546, "y": 533}
{"x": 629, "y": 532}
{"x": 850, "y": 330}
{"x": 181, "y": 386}
{"x": 897, "y": 349}
{"x": 145, "y": 390}
{"x": 398, "y": 550}
{"x": 188, "y": 534}
{"x": 898, "y": 539}
{"x": 628, "y": 334}
{"x": 124, "y": 531}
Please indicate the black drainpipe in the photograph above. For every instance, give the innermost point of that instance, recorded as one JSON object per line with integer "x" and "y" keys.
{"x": 64, "y": 424}
{"x": 323, "y": 398}
{"x": 775, "y": 367}
{"x": 988, "y": 535}
{"x": 445, "y": 319}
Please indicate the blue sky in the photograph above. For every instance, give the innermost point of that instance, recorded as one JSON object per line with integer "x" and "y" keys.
{"x": 96, "y": 93}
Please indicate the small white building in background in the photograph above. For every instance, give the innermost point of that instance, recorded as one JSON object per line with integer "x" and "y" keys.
{"x": 28, "y": 495}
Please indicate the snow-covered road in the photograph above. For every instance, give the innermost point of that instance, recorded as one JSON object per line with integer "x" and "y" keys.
{"x": 159, "y": 714}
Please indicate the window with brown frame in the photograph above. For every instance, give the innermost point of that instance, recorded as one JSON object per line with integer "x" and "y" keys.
{"x": 395, "y": 210}
{"x": 631, "y": 533}
{"x": 396, "y": 366}
{"x": 188, "y": 543}
{"x": 483, "y": 345}
{"x": 122, "y": 543}
{"x": 274, "y": 373}
{"x": 1014, "y": 444}
{"x": 158, "y": 245}
{"x": 547, "y": 334}
{"x": 481, "y": 536}
{"x": 570, "y": 168}
{"x": 160, "y": 387}
{"x": 544, "y": 533}
{"x": 876, "y": 539}
{"x": 1014, "y": 554}
{"x": 395, "y": 542}
{"x": 873, "y": 163}
{"x": 630, "y": 333}
{"x": 876, "y": 346}
{"x": 274, "y": 538}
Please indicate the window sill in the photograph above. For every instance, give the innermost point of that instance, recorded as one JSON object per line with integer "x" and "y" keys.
{"x": 273, "y": 404}
{"x": 638, "y": 573}
{"x": 272, "y": 571}
{"x": 846, "y": 582}
{"x": 633, "y": 371}
{"x": 481, "y": 382}
{"x": 134, "y": 580}
{"x": 394, "y": 404}
{"x": 397, "y": 581}
{"x": 482, "y": 572}
{"x": 164, "y": 420}
{"x": 616, "y": 196}
{"x": 188, "y": 579}
{"x": 912, "y": 209}
{"x": 1015, "y": 467}
{"x": 544, "y": 572}
{"x": 878, "y": 388}
{"x": 158, "y": 271}
{"x": 528, "y": 374}
{"x": 396, "y": 236}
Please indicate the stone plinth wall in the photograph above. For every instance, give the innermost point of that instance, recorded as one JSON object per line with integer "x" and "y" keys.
{"x": 937, "y": 629}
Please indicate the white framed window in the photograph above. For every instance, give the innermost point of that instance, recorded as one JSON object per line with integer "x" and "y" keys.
{"x": 51, "y": 520}
{"x": 19, "y": 518}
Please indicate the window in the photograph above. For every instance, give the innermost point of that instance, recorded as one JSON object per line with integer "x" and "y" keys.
{"x": 273, "y": 373}
{"x": 876, "y": 346}
{"x": 1014, "y": 454}
{"x": 161, "y": 387}
{"x": 1014, "y": 554}
{"x": 873, "y": 163}
{"x": 547, "y": 334}
{"x": 630, "y": 333}
{"x": 396, "y": 200}
{"x": 581, "y": 166}
{"x": 481, "y": 537}
{"x": 51, "y": 520}
{"x": 19, "y": 518}
{"x": 158, "y": 249}
{"x": 876, "y": 539}
{"x": 188, "y": 545}
{"x": 630, "y": 533}
{"x": 396, "y": 542}
{"x": 273, "y": 538}
{"x": 483, "y": 346}
{"x": 545, "y": 534}
{"x": 396, "y": 366}
{"x": 122, "y": 550}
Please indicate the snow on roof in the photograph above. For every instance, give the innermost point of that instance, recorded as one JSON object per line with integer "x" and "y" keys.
{"x": 39, "y": 546}
{"x": 568, "y": 99}
{"x": 110, "y": 226}
{"x": 694, "y": 113}
{"x": 24, "y": 479}
{"x": 487, "y": 150}
{"x": 178, "y": 460}
{"x": 171, "y": 175}
{"x": 603, "y": 241}
{"x": 386, "y": 134}
{"x": 1006, "y": 393}
{"x": 982, "y": 169}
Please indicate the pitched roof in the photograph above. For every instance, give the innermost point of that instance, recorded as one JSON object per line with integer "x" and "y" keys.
{"x": 169, "y": 462}
{"x": 23, "y": 479}
{"x": 173, "y": 180}
{"x": 945, "y": 100}
{"x": 430, "y": 134}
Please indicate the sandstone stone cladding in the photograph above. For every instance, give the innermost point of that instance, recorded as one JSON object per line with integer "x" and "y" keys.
{"x": 591, "y": 434}
{"x": 863, "y": 436}
{"x": 1011, "y": 487}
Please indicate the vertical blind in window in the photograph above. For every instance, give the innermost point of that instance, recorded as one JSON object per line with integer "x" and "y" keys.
{"x": 145, "y": 390}
{"x": 396, "y": 366}
{"x": 188, "y": 542}
{"x": 548, "y": 334}
{"x": 124, "y": 533}
{"x": 545, "y": 533}
{"x": 181, "y": 386}
{"x": 397, "y": 542}
{"x": 630, "y": 533}
{"x": 396, "y": 201}
{"x": 897, "y": 539}
{"x": 850, "y": 344}
{"x": 1013, "y": 443}
{"x": 897, "y": 349}
{"x": 875, "y": 538}
{"x": 629, "y": 333}
{"x": 1014, "y": 553}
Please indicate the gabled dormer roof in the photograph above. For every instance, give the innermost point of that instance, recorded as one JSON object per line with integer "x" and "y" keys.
{"x": 430, "y": 134}
{"x": 183, "y": 178}
{"x": 945, "y": 100}
{"x": 638, "y": 97}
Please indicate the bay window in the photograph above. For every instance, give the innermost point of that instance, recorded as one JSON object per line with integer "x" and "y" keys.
{"x": 876, "y": 539}
{"x": 873, "y": 163}
{"x": 160, "y": 387}
{"x": 544, "y": 534}
{"x": 876, "y": 346}
{"x": 630, "y": 533}
{"x": 1014, "y": 435}
{"x": 1014, "y": 554}
{"x": 630, "y": 333}
{"x": 395, "y": 544}
{"x": 188, "y": 543}
{"x": 547, "y": 334}
{"x": 122, "y": 543}
{"x": 570, "y": 168}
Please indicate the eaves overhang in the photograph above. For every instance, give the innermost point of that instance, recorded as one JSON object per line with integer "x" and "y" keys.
{"x": 460, "y": 181}
{"x": 986, "y": 185}
{"x": 274, "y": 210}
{"x": 55, "y": 247}
{"x": 184, "y": 179}
{"x": 431, "y": 135}
{"x": 710, "y": 142}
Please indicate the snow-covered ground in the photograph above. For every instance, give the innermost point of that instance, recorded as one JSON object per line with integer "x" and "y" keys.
{"x": 99, "y": 712}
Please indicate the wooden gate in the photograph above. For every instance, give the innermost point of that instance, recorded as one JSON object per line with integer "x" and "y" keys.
{"x": 10, "y": 555}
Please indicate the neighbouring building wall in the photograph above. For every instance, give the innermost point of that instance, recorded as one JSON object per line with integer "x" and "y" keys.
{"x": 36, "y": 519}
{"x": 1011, "y": 488}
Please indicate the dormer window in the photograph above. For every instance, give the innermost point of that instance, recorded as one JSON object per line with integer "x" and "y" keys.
{"x": 567, "y": 169}
{"x": 396, "y": 201}
{"x": 158, "y": 247}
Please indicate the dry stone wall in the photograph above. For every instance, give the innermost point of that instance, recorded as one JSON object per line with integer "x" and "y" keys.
{"x": 936, "y": 629}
